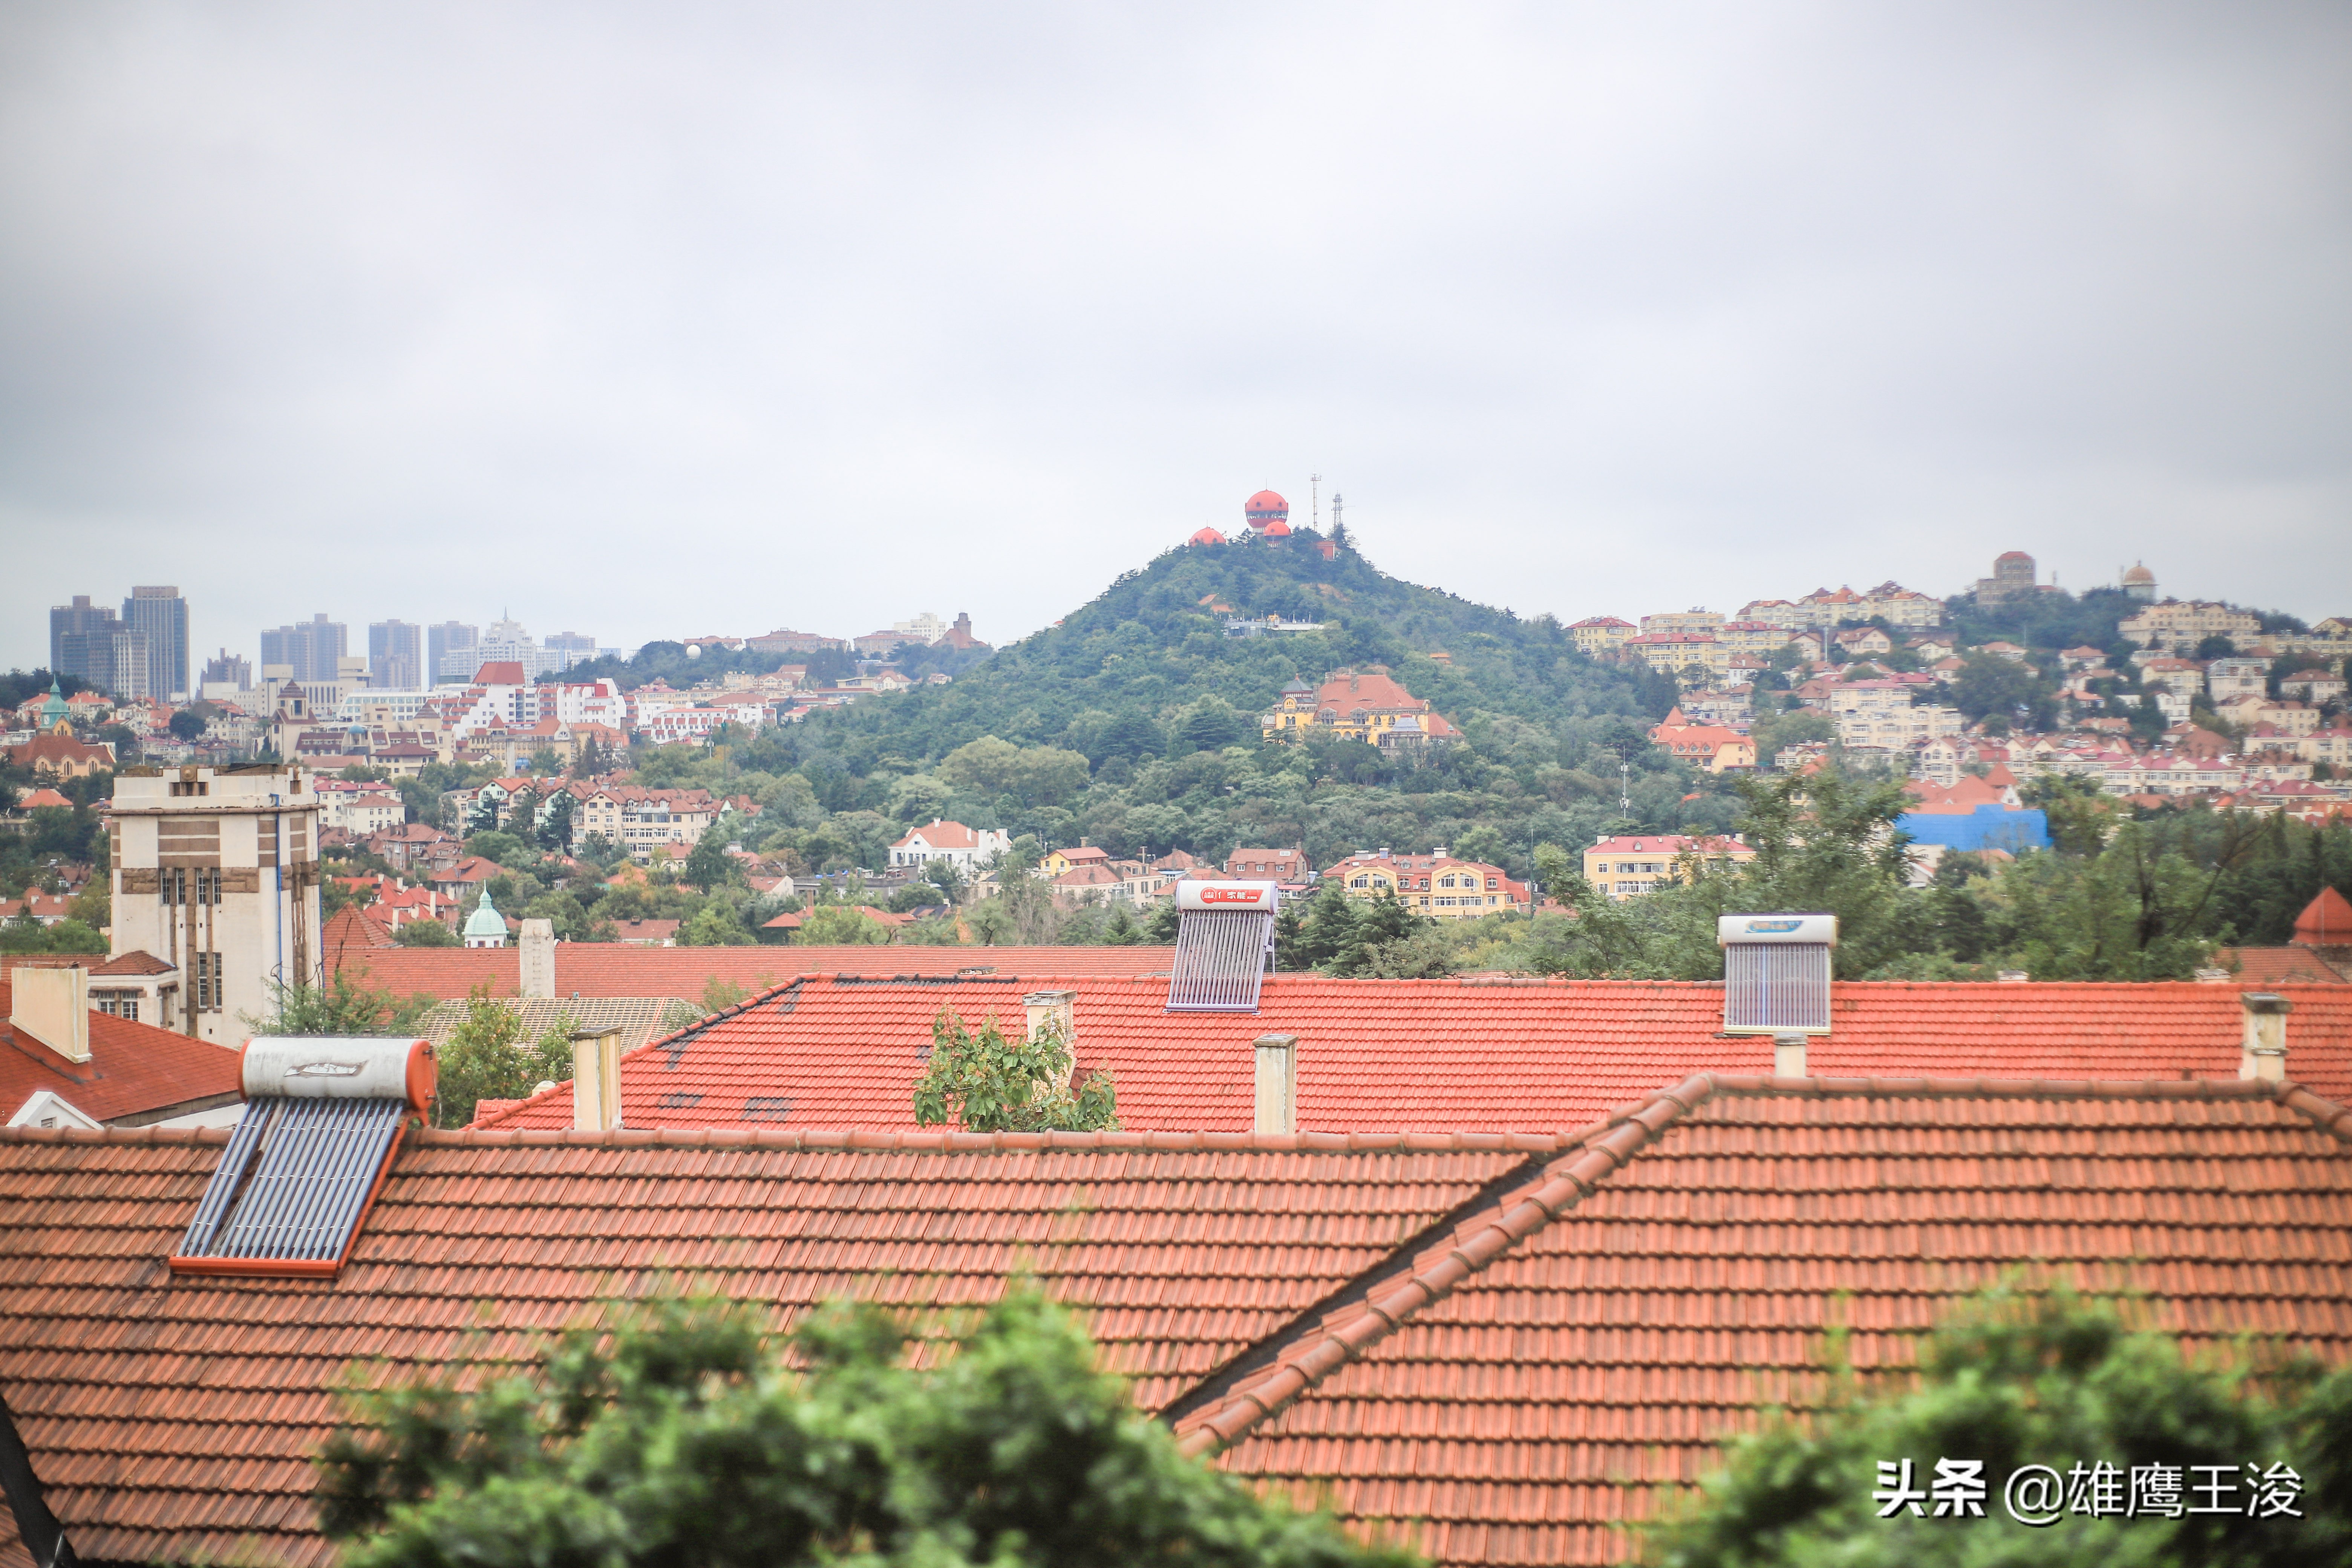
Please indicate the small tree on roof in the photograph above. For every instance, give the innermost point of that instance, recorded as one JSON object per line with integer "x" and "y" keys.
{"x": 986, "y": 1082}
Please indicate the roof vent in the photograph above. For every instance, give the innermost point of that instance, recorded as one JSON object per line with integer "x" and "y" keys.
{"x": 1775, "y": 972}
{"x": 322, "y": 1120}
{"x": 1224, "y": 943}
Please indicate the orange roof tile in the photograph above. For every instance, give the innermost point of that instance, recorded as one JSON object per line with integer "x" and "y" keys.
{"x": 1504, "y": 1345}
{"x": 617, "y": 969}
{"x": 134, "y": 1069}
{"x": 845, "y": 1051}
{"x": 172, "y": 1418}
{"x": 1560, "y": 1361}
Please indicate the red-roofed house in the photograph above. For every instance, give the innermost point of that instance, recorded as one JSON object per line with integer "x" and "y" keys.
{"x": 1625, "y": 867}
{"x": 1500, "y": 1349}
{"x": 1421, "y": 1055}
{"x": 113, "y": 1071}
{"x": 963, "y": 847}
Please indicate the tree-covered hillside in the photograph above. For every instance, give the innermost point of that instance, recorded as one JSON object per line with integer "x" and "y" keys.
{"x": 1133, "y": 723}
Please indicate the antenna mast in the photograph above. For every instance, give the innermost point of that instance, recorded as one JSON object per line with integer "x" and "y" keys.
{"x": 1314, "y": 500}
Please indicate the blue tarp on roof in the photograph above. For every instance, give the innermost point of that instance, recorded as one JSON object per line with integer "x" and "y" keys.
{"x": 1987, "y": 827}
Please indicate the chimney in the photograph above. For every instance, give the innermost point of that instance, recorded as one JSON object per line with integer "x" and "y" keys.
{"x": 53, "y": 1006}
{"x": 1057, "y": 1011}
{"x": 1789, "y": 1056}
{"x": 539, "y": 961}
{"x": 2266, "y": 1039}
{"x": 1278, "y": 1083}
{"x": 596, "y": 1079}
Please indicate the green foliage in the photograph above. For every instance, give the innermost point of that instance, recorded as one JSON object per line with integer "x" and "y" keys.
{"x": 710, "y": 867}
{"x": 2133, "y": 911}
{"x": 2016, "y": 1378}
{"x": 488, "y": 1056}
{"x": 986, "y": 1082}
{"x": 841, "y": 925}
{"x": 343, "y": 1005}
{"x": 26, "y": 935}
{"x": 689, "y": 1435}
{"x": 426, "y": 933}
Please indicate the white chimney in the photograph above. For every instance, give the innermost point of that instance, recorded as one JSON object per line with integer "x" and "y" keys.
{"x": 1056, "y": 1011}
{"x": 1278, "y": 1083}
{"x": 539, "y": 961}
{"x": 596, "y": 1079}
{"x": 1789, "y": 1056}
{"x": 52, "y": 1006}
{"x": 2266, "y": 1038}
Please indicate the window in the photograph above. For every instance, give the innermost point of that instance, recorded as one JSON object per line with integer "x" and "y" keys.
{"x": 207, "y": 977}
{"x": 116, "y": 1003}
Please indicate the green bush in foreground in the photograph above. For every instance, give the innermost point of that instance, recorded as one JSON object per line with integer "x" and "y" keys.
{"x": 2016, "y": 1379}
{"x": 690, "y": 1438}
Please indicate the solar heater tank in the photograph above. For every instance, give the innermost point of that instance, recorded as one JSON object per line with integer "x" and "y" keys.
{"x": 337, "y": 1066}
{"x": 1775, "y": 972}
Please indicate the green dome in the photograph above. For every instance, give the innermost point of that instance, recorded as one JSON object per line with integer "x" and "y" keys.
{"x": 485, "y": 921}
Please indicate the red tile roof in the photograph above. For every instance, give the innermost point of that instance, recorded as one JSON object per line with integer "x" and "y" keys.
{"x": 134, "y": 1069}
{"x": 353, "y": 928}
{"x": 1560, "y": 1361}
{"x": 2325, "y": 922}
{"x": 1443, "y": 1055}
{"x": 134, "y": 963}
{"x": 2276, "y": 966}
{"x": 615, "y": 969}
{"x": 169, "y": 1418}
{"x": 1504, "y": 1345}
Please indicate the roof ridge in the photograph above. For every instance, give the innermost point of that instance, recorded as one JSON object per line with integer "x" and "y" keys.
{"x": 1320, "y": 1350}
{"x": 1541, "y": 1144}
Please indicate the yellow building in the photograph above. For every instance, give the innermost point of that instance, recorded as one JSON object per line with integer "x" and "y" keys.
{"x": 1436, "y": 884}
{"x": 1628, "y": 866}
{"x": 1597, "y": 635}
{"x": 1693, "y": 620}
{"x": 1355, "y": 705}
{"x": 1673, "y": 653}
{"x": 1761, "y": 639}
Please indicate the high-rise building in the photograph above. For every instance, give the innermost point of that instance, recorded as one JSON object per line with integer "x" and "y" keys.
{"x": 567, "y": 648}
{"x": 225, "y": 674}
{"x": 163, "y": 614}
{"x": 216, "y": 873}
{"x": 91, "y": 643}
{"x": 449, "y": 650}
{"x": 314, "y": 650}
{"x": 395, "y": 655}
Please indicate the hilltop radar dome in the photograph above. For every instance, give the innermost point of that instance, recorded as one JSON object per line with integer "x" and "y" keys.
{"x": 1268, "y": 512}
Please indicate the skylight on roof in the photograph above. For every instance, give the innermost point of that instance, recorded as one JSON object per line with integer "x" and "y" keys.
{"x": 322, "y": 1120}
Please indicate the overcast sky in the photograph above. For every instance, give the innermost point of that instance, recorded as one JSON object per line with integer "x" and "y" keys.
{"x": 653, "y": 321}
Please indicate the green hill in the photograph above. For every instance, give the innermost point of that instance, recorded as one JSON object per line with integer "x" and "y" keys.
{"x": 1145, "y": 686}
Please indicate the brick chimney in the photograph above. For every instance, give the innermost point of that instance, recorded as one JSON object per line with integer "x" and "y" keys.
{"x": 538, "y": 960}
{"x": 2265, "y": 1037}
{"x": 1278, "y": 1084}
{"x": 596, "y": 1079}
{"x": 52, "y": 1006}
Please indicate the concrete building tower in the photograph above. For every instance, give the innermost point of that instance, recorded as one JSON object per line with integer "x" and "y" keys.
{"x": 217, "y": 874}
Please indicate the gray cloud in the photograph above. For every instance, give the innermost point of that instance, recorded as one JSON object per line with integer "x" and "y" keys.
{"x": 650, "y": 320}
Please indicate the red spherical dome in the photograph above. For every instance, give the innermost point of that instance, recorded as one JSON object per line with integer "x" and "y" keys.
{"x": 1263, "y": 507}
{"x": 1206, "y": 536}
{"x": 1278, "y": 529}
